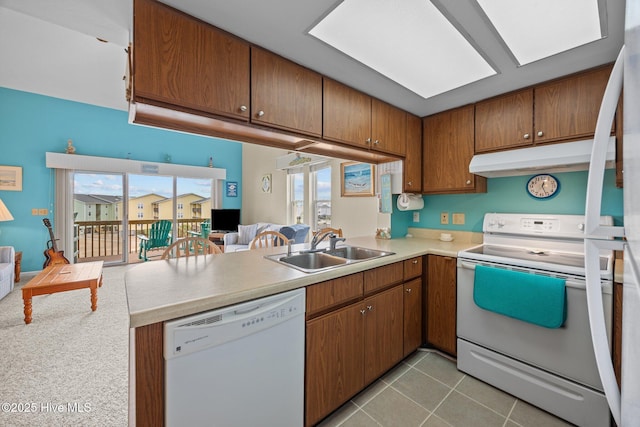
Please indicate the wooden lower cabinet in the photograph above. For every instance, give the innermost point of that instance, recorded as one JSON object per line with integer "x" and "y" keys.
{"x": 441, "y": 303}
{"x": 349, "y": 348}
{"x": 334, "y": 361}
{"x": 412, "y": 315}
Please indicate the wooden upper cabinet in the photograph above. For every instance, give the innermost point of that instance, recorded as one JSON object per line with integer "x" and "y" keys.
{"x": 504, "y": 122}
{"x": 412, "y": 168}
{"x": 388, "y": 128}
{"x": 448, "y": 146}
{"x": 347, "y": 115}
{"x": 568, "y": 108}
{"x": 284, "y": 94}
{"x": 181, "y": 61}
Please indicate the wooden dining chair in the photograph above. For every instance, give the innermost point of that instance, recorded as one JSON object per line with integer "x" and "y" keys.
{"x": 336, "y": 231}
{"x": 268, "y": 239}
{"x": 191, "y": 246}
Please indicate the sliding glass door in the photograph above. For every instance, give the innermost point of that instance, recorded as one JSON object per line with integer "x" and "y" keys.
{"x": 98, "y": 214}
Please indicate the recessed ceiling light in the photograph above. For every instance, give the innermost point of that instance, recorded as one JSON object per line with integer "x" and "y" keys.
{"x": 534, "y": 30}
{"x": 409, "y": 41}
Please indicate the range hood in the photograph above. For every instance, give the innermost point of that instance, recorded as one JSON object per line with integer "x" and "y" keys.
{"x": 564, "y": 157}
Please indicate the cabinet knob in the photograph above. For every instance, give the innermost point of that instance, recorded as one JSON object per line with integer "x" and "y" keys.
{"x": 410, "y": 183}
{"x": 369, "y": 307}
{"x": 415, "y": 261}
{"x": 368, "y": 141}
{"x": 408, "y": 290}
{"x": 260, "y": 113}
{"x": 376, "y": 142}
{"x": 526, "y": 136}
{"x": 243, "y": 108}
{"x": 468, "y": 181}
{"x": 363, "y": 312}
{"x": 540, "y": 133}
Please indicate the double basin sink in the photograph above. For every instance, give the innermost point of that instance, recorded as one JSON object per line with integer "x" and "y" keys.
{"x": 314, "y": 261}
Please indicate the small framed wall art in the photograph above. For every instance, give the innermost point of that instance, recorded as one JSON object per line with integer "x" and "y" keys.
{"x": 11, "y": 178}
{"x": 357, "y": 179}
{"x": 265, "y": 183}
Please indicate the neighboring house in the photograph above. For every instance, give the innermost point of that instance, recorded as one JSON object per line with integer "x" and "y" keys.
{"x": 144, "y": 207}
{"x": 187, "y": 206}
{"x": 201, "y": 208}
{"x": 97, "y": 207}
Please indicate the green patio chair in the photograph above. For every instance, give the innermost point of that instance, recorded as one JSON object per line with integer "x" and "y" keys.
{"x": 159, "y": 237}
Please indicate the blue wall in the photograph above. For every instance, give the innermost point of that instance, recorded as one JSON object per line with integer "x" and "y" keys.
{"x": 509, "y": 195}
{"x": 31, "y": 125}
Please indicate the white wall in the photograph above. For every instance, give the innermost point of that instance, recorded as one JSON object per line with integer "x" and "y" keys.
{"x": 357, "y": 216}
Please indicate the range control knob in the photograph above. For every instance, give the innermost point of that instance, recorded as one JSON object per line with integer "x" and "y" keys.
{"x": 581, "y": 227}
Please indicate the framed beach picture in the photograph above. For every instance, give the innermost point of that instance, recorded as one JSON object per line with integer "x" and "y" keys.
{"x": 11, "y": 178}
{"x": 357, "y": 179}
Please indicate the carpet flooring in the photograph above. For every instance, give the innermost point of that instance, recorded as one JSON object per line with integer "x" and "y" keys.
{"x": 69, "y": 367}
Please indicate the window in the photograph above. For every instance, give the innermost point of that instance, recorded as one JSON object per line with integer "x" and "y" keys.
{"x": 296, "y": 197}
{"x": 140, "y": 206}
{"x": 321, "y": 196}
{"x": 180, "y": 206}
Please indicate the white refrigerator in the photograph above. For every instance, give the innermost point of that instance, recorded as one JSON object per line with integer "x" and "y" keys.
{"x": 625, "y": 402}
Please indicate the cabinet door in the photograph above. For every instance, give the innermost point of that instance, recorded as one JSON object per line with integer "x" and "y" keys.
{"x": 284, "y": 94}
{"x": 412, "y": 315}
{"x": 568, "y": 108}
{"x": 504, "y": 122}
{"x": 412, "y": 268}
{"x": 441, "y": 303}
{"x": 447, "y": 150}
{"x": 388, "y": 128}
{"x": 383, "y": 339}
{"x": 334, "y": 361}
{"x": 412, "y": 168}
{"x": 185, "y": 62}
{"x": 347, "y": 115}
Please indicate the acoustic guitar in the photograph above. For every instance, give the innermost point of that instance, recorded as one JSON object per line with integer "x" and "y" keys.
{"x": 52, "y": 254}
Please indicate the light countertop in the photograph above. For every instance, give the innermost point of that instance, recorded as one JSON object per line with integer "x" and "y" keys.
{"x": 168, "y": 289}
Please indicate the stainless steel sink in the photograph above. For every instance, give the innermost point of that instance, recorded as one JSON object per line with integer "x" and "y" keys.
{"x": 358, "y": 253}
{"x": 311, "y": 262}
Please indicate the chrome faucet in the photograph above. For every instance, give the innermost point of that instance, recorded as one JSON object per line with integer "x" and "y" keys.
{"x": 333, "y": 241}
{"x": 319, "y": 238}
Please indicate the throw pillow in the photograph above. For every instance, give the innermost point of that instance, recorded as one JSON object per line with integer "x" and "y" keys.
{"x": 246, "y": 233}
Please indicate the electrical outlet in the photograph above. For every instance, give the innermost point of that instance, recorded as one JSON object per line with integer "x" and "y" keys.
{"x": 416, "y": 216}
{"x": 34, "y": 211}
{"x": 444, "y": 218}
{"x": 43, "y": 211}
{"x": 458, "y": 218}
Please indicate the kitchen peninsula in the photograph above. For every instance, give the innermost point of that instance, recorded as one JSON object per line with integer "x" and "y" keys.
{"x": 169, "y": 289}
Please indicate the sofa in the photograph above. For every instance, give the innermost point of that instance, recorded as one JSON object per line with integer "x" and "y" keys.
{"x": 239, "y": 240}
{"x": 7, "y": 270}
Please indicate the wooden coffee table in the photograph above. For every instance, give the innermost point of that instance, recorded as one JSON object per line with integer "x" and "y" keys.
{"x": 63, "y": 277}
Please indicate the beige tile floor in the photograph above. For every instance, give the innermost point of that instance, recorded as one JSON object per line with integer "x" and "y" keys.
{"x": 427, "y": 390}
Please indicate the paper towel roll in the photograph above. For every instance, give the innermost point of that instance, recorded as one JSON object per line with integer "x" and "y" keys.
{"x": 410, "y": 202}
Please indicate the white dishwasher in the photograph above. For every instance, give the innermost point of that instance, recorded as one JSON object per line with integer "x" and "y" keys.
{"x": 237, "y": 366}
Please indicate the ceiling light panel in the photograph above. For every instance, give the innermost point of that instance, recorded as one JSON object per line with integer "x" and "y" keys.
{"x": 536, "y": 29}
{"x": 408, "y": 41}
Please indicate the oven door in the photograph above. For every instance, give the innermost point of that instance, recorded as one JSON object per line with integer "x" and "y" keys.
{"x": 566, "y": 351}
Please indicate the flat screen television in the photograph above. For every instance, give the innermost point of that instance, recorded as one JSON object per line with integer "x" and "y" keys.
{"x": 225, "y": 219}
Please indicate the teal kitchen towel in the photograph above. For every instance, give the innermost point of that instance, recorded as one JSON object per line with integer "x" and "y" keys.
{"x": 528, "y": 297}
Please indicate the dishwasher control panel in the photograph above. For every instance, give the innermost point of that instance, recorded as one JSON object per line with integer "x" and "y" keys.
{"x": 194, "y": 333}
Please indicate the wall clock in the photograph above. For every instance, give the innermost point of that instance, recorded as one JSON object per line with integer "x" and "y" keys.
{"x": 543, "y": 186}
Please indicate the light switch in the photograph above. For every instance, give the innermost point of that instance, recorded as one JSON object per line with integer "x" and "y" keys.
{"x": 34, "y": 211}
{"x": 43, "y": 211}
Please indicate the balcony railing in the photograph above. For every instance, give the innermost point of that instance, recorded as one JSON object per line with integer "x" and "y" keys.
{"x": 104, "y": 239}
